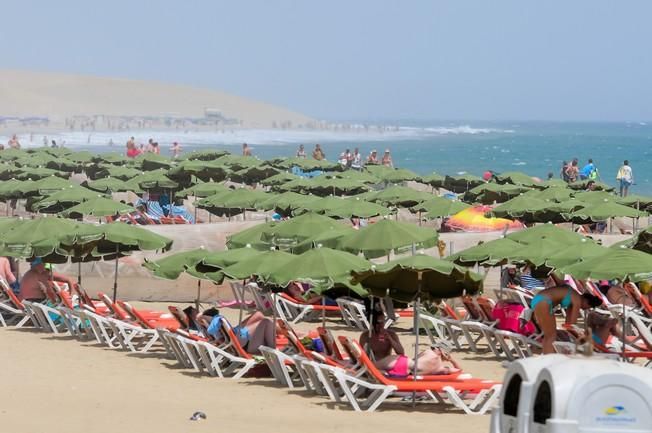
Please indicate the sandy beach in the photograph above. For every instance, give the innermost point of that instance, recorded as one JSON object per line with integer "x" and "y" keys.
{"x": 59, "y": 385}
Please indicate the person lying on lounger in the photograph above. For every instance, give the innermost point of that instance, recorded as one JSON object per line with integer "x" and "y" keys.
{"x": 254, "y": 331}
{"x": 300, "y": 291}
{"x": 383, "y": 342}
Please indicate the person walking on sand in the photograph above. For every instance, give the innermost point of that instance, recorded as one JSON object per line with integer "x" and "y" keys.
{"x": 318, "y": 153}
{"x": 625, "y": 177}
{"x": 301, "y": 152}
{"x": 387, "y": 159}
{"x": 175, "y": 149}
{"x": 246, "y": 150}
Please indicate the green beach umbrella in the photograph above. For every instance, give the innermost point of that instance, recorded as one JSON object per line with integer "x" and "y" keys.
{"x": 152, "y": 180}
{"x": 329, "y": 238}
{"x": 324, "y": 186}
{"x": 435, "y": 180}
{"x": 441, "y": 208}
{"x": 556, "y": 194}
{"x": 355, "y": 175}
{"x": 213, "y": 263}
{"x": 462, "y": 183}
{"x": 119, "y": 172}
{"x": 152, "y": 161}
{"x": 385, "y": 236}
{"x": 39, "y": 173}
{"x": 298, "y": 229}
{"x": 260, "y": 265}
{"x": 286, "y": 203}
{"x": 253, "y": 175}
{"x": 356, "y": 208}
{"x": 62, "y": 200}
{"x": 204, "y": 170}
{"x": 554, "y": 183}
{"x": 107, "y": 185}
{"x": 545, "y": 231}
{"x": 173, "y": 265}
{"x": 517, "y": 178}
{"x": 398, "y": 175}
{"x": 204, "y": 155}
{"x": 399, "y": 279}
{"x": 322, "y": 205}
{"x": 491, "y": 192}
{"x": 399, "y": 196}
{"x": 594, "y": 196}
{"x": 97, "y": 207}
{"x": 299, "y": 184}
{"x": 642, "y": 241}
{"x": 45, "y": 186}
{"x": 306, "y": 164}
{"x": 602, "y": 211}
{"x": 597, "y": 186}
{"x": 490, "y": 253}
{"x": 617, "y": 263}
{"x": 203, "y": 190}
{"x": 236, "y": 162}
{"x": 322, "y": 268}
{"x": 578, "y": 252}
{"x": 636, "y": 201}
{"x": 251, "y": 237}
{"x": 13, "y": 189}
{"x": 521, "y": 207}
{"x": 279, "y": 179}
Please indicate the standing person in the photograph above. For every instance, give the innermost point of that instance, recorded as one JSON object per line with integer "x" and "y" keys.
{"x": 588, "y": 171}
{"x": 150, "y": 145}
{"x": 349, "y": 158}
{"x": 356, "y": 163}
{"x": 132, "y": 150}
{"x": 573, "y": 171}
{"x": 343, "y": 160}
{"x": 301, "y": 152}
{"x": 175, "y": 149}
{"x": 387, "y": 159}
{"x": 543, "y": 307}
{"x": 625, "y": 177}
{"x": 318, "y": 153}
{"x": 246, "y": 150}
{"x": 562, "y": 173}
{"x": 373, "y": 157}
{"x": 13, "y": 142}
{"x": 155, "y": 149}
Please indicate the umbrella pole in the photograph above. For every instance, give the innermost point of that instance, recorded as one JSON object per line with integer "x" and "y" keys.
{"x": 79, "y": 273}
{"x": 323, "y": 311}
{"x": 198, "y": 294}
{"x": 115, "y": 280}
{"x": 241, "y": 306}
{"x": 274, "y": 311}
{"x": 416, "y": 330}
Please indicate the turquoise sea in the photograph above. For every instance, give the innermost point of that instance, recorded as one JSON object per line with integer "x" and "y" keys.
{"x": 536, "y": 148}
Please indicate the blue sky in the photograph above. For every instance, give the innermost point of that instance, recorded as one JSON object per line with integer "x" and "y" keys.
{"x": 344, "y": 60}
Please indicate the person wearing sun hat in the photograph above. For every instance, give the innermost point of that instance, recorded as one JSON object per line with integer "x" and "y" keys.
{"x": 387, "y": 159}
{"x": 40, "y": 273}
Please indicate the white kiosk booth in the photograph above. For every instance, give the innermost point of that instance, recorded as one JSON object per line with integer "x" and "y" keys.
{"x": 575, "y": 395}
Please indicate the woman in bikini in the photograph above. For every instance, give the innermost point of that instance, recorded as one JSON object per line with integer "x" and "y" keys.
{"x": 383, "y": 341}
{"x": 543, "y": 305}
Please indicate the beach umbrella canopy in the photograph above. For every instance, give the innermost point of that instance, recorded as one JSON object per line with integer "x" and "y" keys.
{"x": 554, "y": 183}
{"x": 63, "y": 199}
{"x": 355, "y": 175}
{"x": 597, "y": 186}
{"x": 107, "y": 185}
{"x": 473, "y": 219}
{"x": 591, "y": 197}
{"x": 545, "y": 231}
{"x": 642, "y": 241}
{"x": 38, "y": 173}
{"x": 43, "y": 237}
{"x": 291, "y": 232}
{"x": 356, "y": 208}
{"x": 324, "y": 186}
{"x": 490, "y": 253}
{"x": 329, "y": 238}
{"x": 204, "y": 155}
{"x": 516, "y": 178}
{"x": 433, "y": 179}
{"x": 279, "y": 179}
{"x": 398, "y": 175}
{"x": 237, "y": 162}
{"x": 617, "y": 263}
{"x": 385, "y": 236}
{"x": 602, "y": 211}
{"x": 556, "y": 194}
{"x": 251, "y": 237}
{"x": 322, "y": 268}
{"x": 123, "y": 237}
{"x": 45, "y": 186}
{"x": 8, "y": 171}
{"x": 489, "y": 193}
{"x": 255, "y": 174}
{"x": 399, "y": 196}
{"x": 151, "y": 180}
{"x": 636, "y": 201}
{"x": 462, "y": 183}
{"x": 577, "y": 252}
{"x": 399, "y": 279}
{"x": 97, "y": 207}
{"x": 522, "y": 207}
{"x": 152, "y": 161}
{"x": 288, "y": 202}
{"x": 260, "y": 265}
{"x": 537, "y": 253}
{"x": 306, "y": 164}
{"x": 322, "y": 205}
{"x": 204, "y": 170}
{"x": 13, "y": 188}
{"x": 299, "y": 184}
{"x": 203, "y": 190}
{"x": 443, "y": 208}
{"x": 214, "y": 262}
{"x": 174, "y": 265}
{"x": 233, "y": 201}
{"x": 121, "y": 172}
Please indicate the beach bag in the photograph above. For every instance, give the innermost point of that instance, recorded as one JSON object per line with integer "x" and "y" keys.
{"x": 509, "y": 315}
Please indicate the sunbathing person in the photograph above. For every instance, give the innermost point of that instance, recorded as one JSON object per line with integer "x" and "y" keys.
{"x": 30, "y": 284}
{"x": 254, "y": 331}
{"x": 603, "y": 328}
{"x": 543, "y": 307}
{"x": 383, "y": 342}
{"x": 300, "y": 291}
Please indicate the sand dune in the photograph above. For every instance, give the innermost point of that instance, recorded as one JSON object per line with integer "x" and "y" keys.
{"x": 60, "y": 96}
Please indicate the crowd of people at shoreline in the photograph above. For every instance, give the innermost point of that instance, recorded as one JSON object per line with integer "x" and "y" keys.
{"x": 571, "y": 172}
